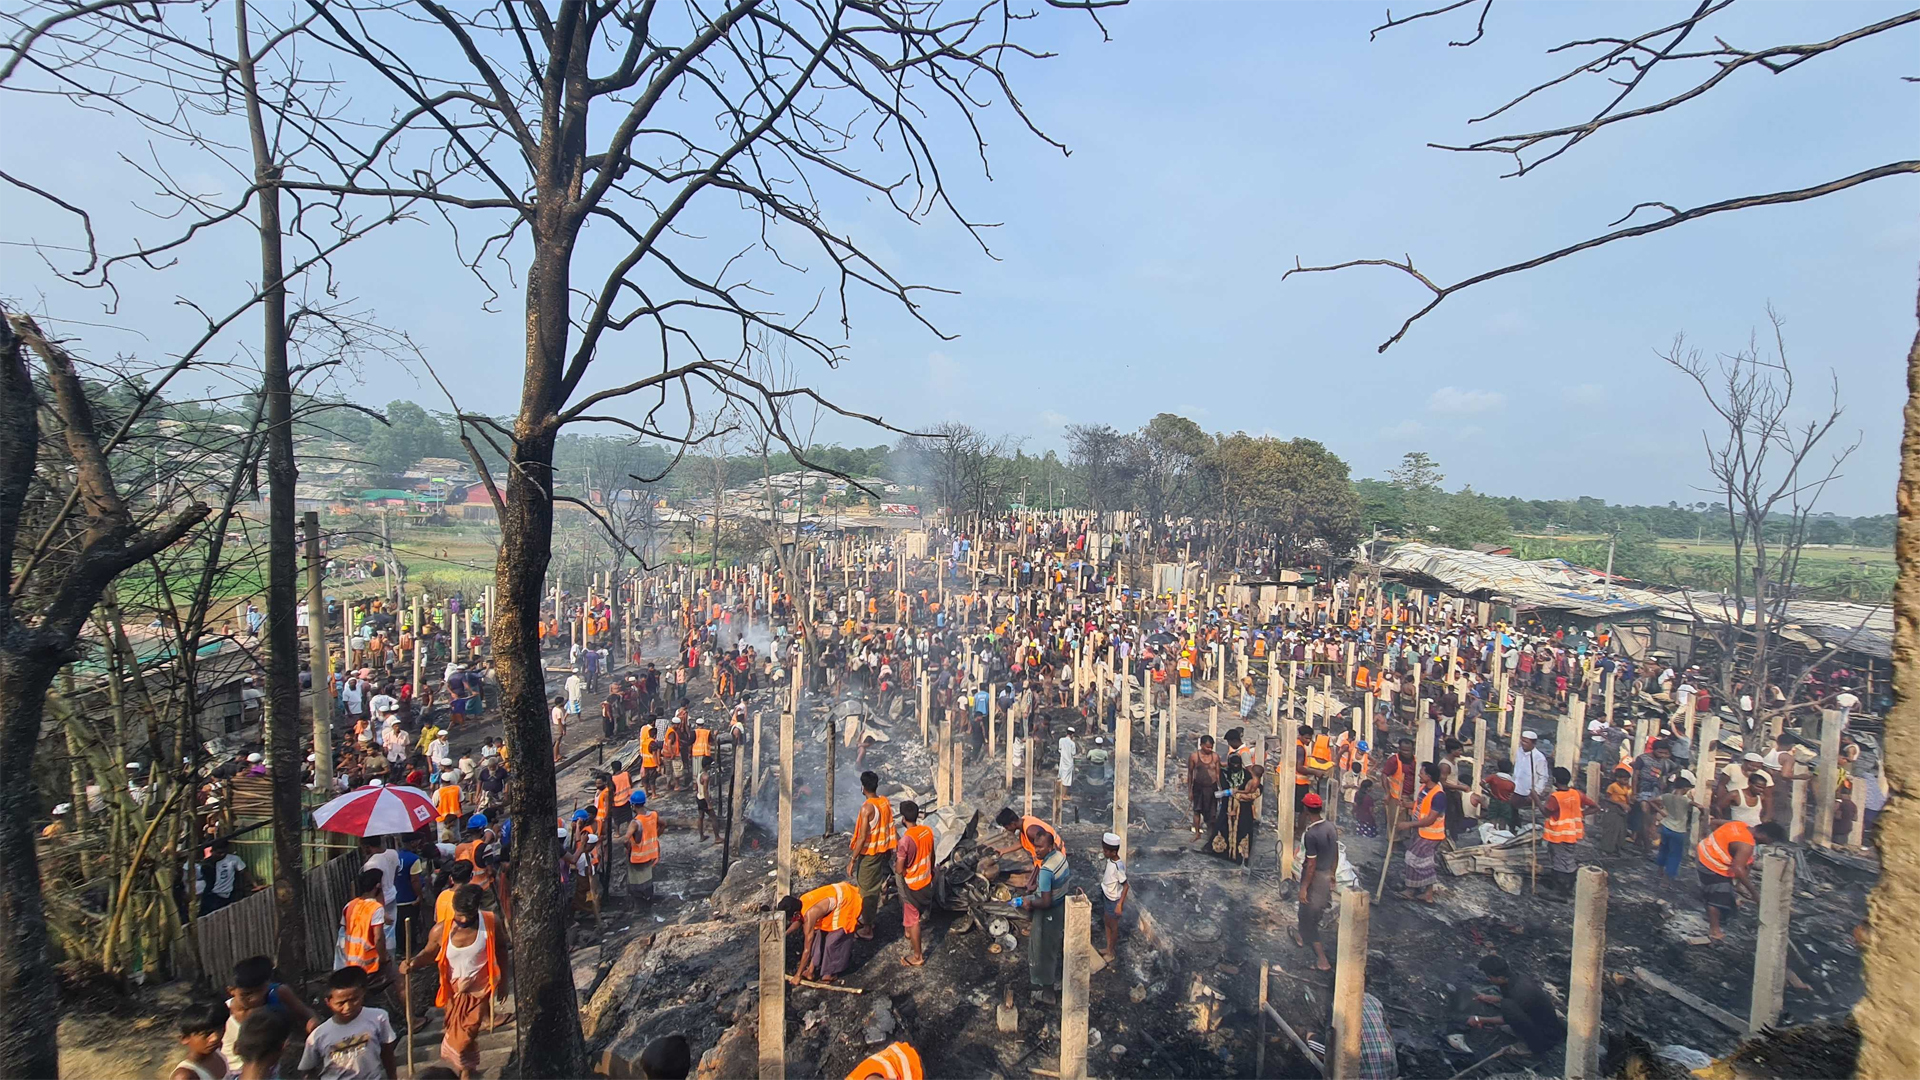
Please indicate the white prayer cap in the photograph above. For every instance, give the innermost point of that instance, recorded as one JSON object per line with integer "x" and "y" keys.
{"x": 1530, "y": 735}
{"x": 1111, "y": 839}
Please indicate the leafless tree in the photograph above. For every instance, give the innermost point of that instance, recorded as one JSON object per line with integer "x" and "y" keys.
{"x": 1768, "y": 471}
{"x": 170, "y": 67}
{"x": 1622, "y": 65}
{"x": 43, "y": 611}
{"x": 645, "y": 123}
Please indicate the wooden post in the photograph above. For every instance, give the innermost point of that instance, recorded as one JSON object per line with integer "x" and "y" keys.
{"x": 1584, "y": 980}
{"x": 1709, "y": 768}
{"x": 1213, "y": 721}
{"x": 943, "y": 792}
{"x": 920, "y": 676}
{"x": 1519, "y": 724}
{"x": 1027, "y": 761}
{"x": 773, "y": 995}
{"x": 1169, "y": 726}
{"x": 1425, "y": 738}
{"x": 1573, "y": 728}
{"x": 1771, "y": 946}
{"x": 317, "y": 661}
{"x": 1826, "y": 777}
{"x": 783, "y": 844}
{"x": 1594, "y": 787}
{"x": 1075, "y": 986}
{"x": 1797, "y": 821}
{"x": 1349, "y": 985}
{"x": 991, "y": 709}
{"x": 1009, "y": 762}
{"x": 1123, "y": 768}
{"x": 1608, "y": 698}
{"x": 1260, "y": 1047}
{"x": 1283, "y": 785}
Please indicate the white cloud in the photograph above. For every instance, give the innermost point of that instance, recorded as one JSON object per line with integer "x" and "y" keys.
{"x": 1584, "y": 394}
{"x": 1452, "y": 399}
{"x": 1054, "y": 420}
{"x": 1404, "y": 430}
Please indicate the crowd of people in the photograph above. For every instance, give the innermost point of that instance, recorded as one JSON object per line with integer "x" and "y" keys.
{"x": 1041, "y": 624}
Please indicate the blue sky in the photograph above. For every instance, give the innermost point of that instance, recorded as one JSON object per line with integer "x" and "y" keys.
{"x": 1212, "y": 143}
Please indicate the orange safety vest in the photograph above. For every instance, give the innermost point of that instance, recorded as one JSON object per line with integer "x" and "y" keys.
{"x": 602, "y": 803}
{"x": 918, "y": 874}
{"x": 646, "y": 848}
{"x": 879, "y": 827}
{"x": 1568, "y": 826}
{"x": 470, "y": 851}
{"x": 622, "y": 788}
{"x": 443, "y": 907}
{"x": 702, "y": 742}
{"x": 1716, "y": 850}
{"x": 648, "y": 759}
{"x": 446, "y": 800}
{"x": 1321, "y": 754}
{"x": 358, "y": 941}
{"x": 844, "y": 916}
{"x": 1438, "y": 829}
{"x": 672, "y": 743}
{"x": 1030, "y": 820}
{"x": 489, "y": 971}
{"x": 897, "y": 1062}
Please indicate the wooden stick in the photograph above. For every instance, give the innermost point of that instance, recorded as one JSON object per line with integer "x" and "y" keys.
{"x": 1482, "y": 1061}
{"x": 835, "y": 987}
{"x": 1706, "y": 1008}
{"x": 406, "y": 985}
{"x": 1393, "y": 820}
{"x": 1298, "y": 1043}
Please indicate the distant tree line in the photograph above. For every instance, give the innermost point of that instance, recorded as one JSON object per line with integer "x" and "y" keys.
{"x": 1169, "y": 468}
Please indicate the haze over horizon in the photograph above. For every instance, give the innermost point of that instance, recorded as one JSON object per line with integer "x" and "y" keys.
{"x": 1211, "y": 145}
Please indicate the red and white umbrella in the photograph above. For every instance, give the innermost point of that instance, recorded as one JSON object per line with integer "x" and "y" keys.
{"x": 376, "y": 811}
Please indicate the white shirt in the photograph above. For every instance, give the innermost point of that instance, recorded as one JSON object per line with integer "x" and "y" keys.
{"x": 1113, "y": 878}
{"x": 349, "y": 1051}
{"x": 575, "y": 687}
{"x": 1066, "y": 761}
{"x": 1530, "y": 772}
{"x": 388, "y": 863}
{"x": 224, "y": 873}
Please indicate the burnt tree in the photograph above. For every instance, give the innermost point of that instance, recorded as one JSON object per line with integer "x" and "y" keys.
{"x": 45, "y": 601}
{"x": 596, "y": 136}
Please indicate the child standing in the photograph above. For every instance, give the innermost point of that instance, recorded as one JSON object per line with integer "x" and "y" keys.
{"x": 1674, "y": 806}
{"x": 1612, "y": 825}
{"x": 253, "y": 989}
{"x": 1113, "y": 890}
{"x": 356, "y": 1042}
{"x": 202, "y": 1027}
{"x": 1365, "y": 821}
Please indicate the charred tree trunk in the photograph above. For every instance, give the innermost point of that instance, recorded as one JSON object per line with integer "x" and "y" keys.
{"x": 548, "y": 1038}
{"x": 283, "y": 640}
{"x": 36, "y": 638}
{"x": 1892, "y": 1043}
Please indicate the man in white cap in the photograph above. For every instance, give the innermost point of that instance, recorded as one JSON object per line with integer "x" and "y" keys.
{"x": 1113, "y": 890}
{"x": 59, "y": 823}
{"x": 1532, "y": 776}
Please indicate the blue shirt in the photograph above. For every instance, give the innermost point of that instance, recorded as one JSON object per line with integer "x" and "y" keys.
{"x": 1053, "y": 875}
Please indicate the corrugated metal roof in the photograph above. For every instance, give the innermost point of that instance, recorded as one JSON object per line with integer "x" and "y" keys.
{"x": 1817, "y": 624}
{"x": 1547, "y": 583}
